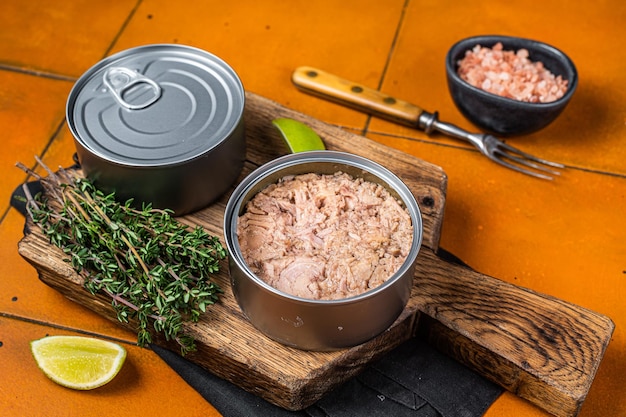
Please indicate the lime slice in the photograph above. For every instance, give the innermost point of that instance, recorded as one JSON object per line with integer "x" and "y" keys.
{"x": 78, "y": 362}
{"x": 299, "y": 137}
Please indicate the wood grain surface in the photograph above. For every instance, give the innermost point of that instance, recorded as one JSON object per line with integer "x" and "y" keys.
{"x": 541, "y": 348}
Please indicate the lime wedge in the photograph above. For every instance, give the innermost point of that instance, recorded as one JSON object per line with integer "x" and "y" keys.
{"x": 299, "y": 137}
{"x": 78, "y": 362}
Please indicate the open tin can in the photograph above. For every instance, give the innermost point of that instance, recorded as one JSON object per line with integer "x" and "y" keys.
{"x": 161, "y": 124}
{"x": 310, "y": 324}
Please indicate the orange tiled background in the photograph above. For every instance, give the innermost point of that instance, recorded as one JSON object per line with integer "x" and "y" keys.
{"x": 566, "y": 238}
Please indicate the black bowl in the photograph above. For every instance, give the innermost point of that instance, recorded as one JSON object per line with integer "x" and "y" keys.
{"x": 501, "y": 115}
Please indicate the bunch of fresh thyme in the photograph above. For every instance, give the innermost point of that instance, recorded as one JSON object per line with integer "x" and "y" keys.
{"x": 154, "y": 268}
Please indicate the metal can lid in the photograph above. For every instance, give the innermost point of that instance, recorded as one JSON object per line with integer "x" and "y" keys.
{"x": 155, "y": 105}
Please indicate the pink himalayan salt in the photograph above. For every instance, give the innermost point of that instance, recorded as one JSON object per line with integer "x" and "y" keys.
{"x": 510, "y": 74}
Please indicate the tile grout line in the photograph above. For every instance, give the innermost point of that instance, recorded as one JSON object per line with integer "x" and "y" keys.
{"x": 472, "y": 149}
{"x": 27, "y": 176}
{"x": 122, "y": 28}
{"x": 36, "y": 73}
{"x": 388, "y": 60}
{"x": 469, "y": 148}
{"x": 55, "y": 135}
{"x": 56, "y": 132}
{"x": 4, "y": 67}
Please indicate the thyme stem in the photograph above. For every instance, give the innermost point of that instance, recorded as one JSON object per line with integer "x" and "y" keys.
{"x": 155, "y": 269}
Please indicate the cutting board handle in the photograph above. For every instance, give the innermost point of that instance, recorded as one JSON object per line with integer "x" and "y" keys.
{"x": 541, "y": 348}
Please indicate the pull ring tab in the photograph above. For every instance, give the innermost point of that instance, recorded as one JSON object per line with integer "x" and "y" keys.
{"x": 119, "y": 80}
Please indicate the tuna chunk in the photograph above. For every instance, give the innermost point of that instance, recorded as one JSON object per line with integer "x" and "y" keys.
{"x": 324, "y": 236}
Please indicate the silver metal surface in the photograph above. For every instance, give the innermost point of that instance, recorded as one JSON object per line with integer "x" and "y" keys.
{"x": 161, "y": 124}
{"x": 155, "y": 105}
{"x": 492, "y": 147}
{"x": 319, "y": 325}
{"x": 119, "y": 80}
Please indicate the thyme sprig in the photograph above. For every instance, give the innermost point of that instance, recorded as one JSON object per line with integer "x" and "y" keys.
{"x": 154, "y": 268}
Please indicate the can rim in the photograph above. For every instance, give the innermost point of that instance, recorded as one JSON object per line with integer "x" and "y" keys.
{"x": 89, "y": 74}
{"x": 245, "y": 188}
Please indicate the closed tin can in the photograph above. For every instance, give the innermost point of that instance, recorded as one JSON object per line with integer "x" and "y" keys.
{"x": 161, "y": 124}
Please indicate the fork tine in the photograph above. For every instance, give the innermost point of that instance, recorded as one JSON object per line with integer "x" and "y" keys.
{"x": 491, "y": 147}
{"x": 530, "y": 157}
{"x": 522, "y": 158}
{"x": 522, "y": 170}
{"x": 526, "y": 162}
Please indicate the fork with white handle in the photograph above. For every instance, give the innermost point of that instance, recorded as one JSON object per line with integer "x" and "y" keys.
{"x": 368, "y": 100}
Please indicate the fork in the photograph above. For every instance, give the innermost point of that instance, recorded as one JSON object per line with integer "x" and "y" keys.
{"x": 368, "y": 100}
{"x": 492, "y": 148}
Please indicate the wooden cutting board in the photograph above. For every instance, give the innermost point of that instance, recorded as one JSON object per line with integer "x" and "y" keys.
{"x": 541, "y": 348}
